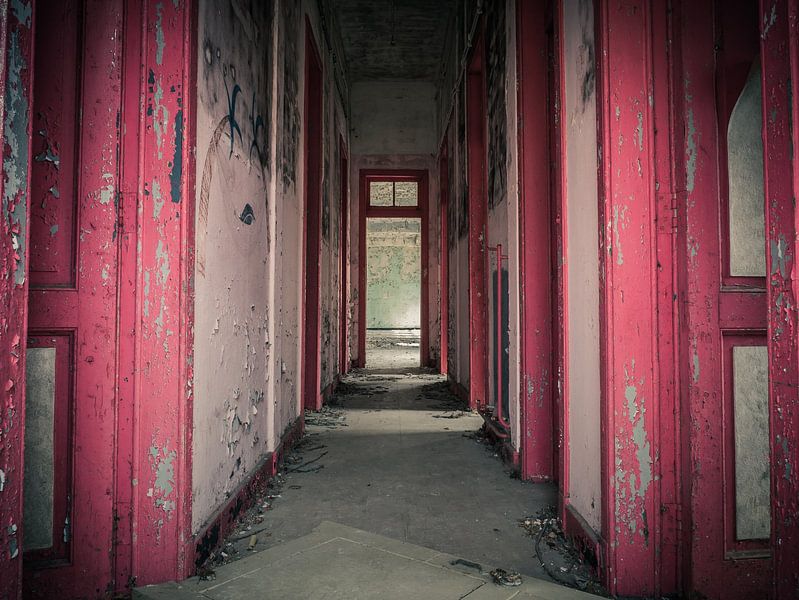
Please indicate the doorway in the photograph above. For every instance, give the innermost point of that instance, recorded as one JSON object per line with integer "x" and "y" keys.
{"x": 393, "y": 301}
{"x": 393, "y": 290}
{"x": 72, "y": 349}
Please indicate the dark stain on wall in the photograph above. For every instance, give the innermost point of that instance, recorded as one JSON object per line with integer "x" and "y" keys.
{"x": 496, "y": 50}
{"x": 290, "y": 138}
{"x": 452, "y": 217}
{"x": 463, "y": 191}
{"x": 586, "y": 16}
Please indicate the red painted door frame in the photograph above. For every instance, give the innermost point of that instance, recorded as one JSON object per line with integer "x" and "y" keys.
{"x": 627, "y": 39}
{"x": 476, "y": 133}
{"x": 311, "y": 230}
{"x": 779, "y": 51}
{"x": 16, "y": 87}
{"x": 163, "y": 312}
{"x": 718, "y": 565}
{"x": 420, "y": 212}
{"x": 73, "y": 285}
{"x": 344, "y": 237}
{"x": 537, "y": 444}
{"x": 443, "y": 187}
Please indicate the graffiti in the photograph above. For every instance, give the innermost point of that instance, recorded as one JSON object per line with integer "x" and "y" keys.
{"x": 231, "y": 115}
{"x": 497, "y": 118}
{"x": 205, "y": 194}
{"x": 247, "y": 215}
{"x": 463, "y": 191}
{"x": 257, "y": 124}
{"x": 290, "y": 138}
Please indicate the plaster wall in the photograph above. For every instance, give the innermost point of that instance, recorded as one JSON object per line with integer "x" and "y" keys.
{"x": 502, "y": 197}
{"x": 248, "y": 299}
{"x": 232, "y": 329}
{"x": 582, "y": 261}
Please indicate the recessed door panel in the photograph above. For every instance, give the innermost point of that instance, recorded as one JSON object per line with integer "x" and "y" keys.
{"x": 68, "y": 540}
{"x": 727, "y": 358}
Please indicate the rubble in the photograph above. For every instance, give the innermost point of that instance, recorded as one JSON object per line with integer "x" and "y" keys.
{"x": 557, "y": 554}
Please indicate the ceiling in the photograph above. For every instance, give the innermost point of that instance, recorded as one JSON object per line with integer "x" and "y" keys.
{"x": 393, "y": 39}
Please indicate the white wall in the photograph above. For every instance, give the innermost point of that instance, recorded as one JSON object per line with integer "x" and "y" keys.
{"x": 248, "y": 327}
{"x": 582, "y": 261}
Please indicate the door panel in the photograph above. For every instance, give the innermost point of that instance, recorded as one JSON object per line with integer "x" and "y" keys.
{"x": 728, "y": 357}
{"x": 71, "y": 351}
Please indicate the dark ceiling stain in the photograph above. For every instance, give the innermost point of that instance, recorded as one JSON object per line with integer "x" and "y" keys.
{"x": 394, "y": 39}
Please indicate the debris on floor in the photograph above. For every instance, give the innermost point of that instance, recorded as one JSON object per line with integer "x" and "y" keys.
{"x": 506, "y": 578}
{"x": 329, "y": 417}
{"x": 558, "y": 555}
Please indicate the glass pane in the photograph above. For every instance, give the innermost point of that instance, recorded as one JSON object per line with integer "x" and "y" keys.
{"x": 745, "y": 172}
{"x": 752, "y": 476}
{"x": 406, "y": 193}
{"x": 39, "y": 416}
{"x": 380, "y": 193}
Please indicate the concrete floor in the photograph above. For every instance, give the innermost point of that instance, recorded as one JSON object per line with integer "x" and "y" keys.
{"x": 392, "y": 349}
{"x": 344, "y": 563}
{"x": 394, "y": 456}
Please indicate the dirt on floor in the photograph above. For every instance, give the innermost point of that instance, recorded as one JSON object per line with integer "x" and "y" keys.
{"x": 397, "y": 454}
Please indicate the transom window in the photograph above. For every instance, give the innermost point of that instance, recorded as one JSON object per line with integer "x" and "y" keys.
{"x": 393, "y": 193}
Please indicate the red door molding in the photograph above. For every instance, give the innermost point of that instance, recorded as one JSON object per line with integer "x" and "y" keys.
{"x": 420, "y": 211}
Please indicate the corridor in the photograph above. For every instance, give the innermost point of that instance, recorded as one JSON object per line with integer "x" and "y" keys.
{"x": 397, "y": 456}
{"x": 507, "y": 284}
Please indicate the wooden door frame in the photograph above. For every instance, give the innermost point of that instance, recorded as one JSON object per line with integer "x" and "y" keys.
{"x": 535, "y": 296}
{"x": 311, "y": 226}
{"x": 476, "y": 142}
{"x": 779, "y": 22}
{"x": 707, "y": 566}
{"x": 344, "y": 238}
{"x": 418, "y": 212}
{"x": 443, "y": 190}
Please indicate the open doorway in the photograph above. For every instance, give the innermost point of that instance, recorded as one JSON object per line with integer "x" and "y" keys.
{"x": 393, "y": 289}
{"x": 392, "y": 323}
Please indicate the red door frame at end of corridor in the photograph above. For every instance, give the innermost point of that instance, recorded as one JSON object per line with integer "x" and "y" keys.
{"x": 418, "y": 212}
{"x": 311, "y": 225}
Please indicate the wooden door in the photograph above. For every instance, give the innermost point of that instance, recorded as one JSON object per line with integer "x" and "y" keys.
{"x": 726, "y": 363}
{"x": 71, "y": 352}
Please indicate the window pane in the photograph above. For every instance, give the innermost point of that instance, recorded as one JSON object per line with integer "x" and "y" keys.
{"x": 752, "y": 477}
{"x": 406, "y": 193}
{"x": 380, "y": 193}
{"x": 39, "y": 461}
{"x": 745, "y": 172}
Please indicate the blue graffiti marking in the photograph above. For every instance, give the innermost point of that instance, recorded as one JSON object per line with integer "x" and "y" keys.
{"x": 231, "y": 108}
{"x": 247, "y": 215}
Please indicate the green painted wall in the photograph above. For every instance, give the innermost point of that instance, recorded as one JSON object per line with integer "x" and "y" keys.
{"x": 393, "y": 273}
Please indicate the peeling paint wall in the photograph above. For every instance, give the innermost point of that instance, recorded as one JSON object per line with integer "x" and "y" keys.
{"x": 583, "y": 387}
{"x": 15, "y": 91}
{"x": 502, "y": 194}
{"x": 233, "y": 336}
{"x": 249, "y": 232}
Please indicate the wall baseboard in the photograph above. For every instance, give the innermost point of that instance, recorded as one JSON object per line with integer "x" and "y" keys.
{"x": 223, "y": 522}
